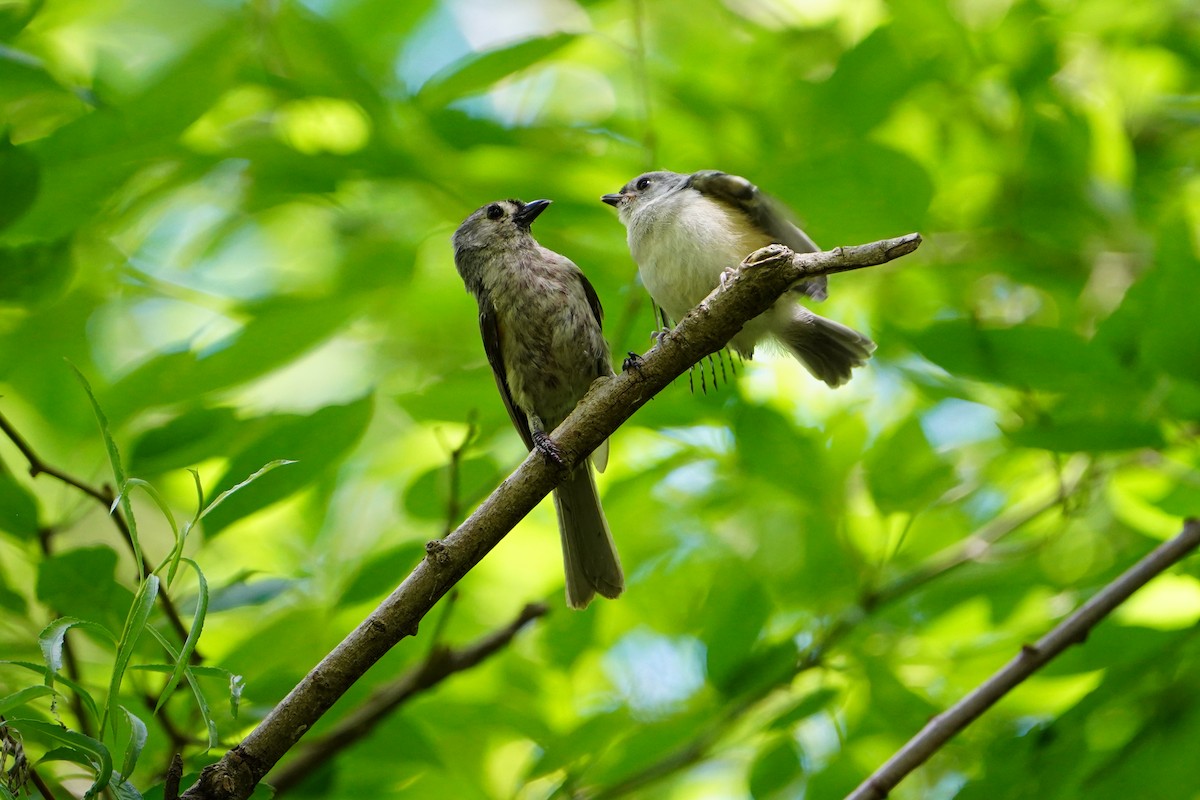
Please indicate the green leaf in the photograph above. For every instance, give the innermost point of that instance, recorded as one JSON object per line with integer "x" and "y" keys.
{"x": 52, "y": 639}
{"x": 887, "y": 190}
{"x": 87, "y": 160}
{"x": 23, "y": 75}
{"x": 135, "y": 624}
{"x": 189, "y": 646}
{"x": 775, "y": 451}
{"x": 19, "y": 175}
{"x": 18, "y": 509}
{"x": 163, "y": 506}
{"x": 88, "y": 702}
{"x": 208, "y": 68}
{"x": 1024, "y": 356}
{"x": 236, "y": 683}
{"x": 187, "y": 439}
{"x": 904, "y": 472}
{"x": 805, "y": 707}
{"x": 137, "y": 743}
{"x": 197, "y": 694}
{"x": 79, "y": 583}
{"x": 14, "y": 16}
{"x": 735, "y": 612}
{"x": 383, "y": 573}
{"x": 1169, "y": 343}
{"x": 478, "y": 72}
{"x": 114, "y": 459}
{"x": 241, "y": 593}
{"x": 11, "y": 600}
{"x": 768, "y": 667}
{"x": 36, "y": 274}
{"x": 427, "y": 497}
{"x": 1092, "y": 435}
{"x": 775, "y": 769}
{"x": 321, "y": 56}
{"x": 639, "y": 746}
{"x": 315, "y": 443}
{"x": 23, "y": 697}
{"x": 225, "y": 495}
{"x": 123, "y": 789}
{"x": 277, "y": 332}
{"x": 877, "y": 74}
{"x": 95, "y": 753}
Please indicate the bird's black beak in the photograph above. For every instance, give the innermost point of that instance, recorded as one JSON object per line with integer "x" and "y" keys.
{"x": 529, "y": 213}
{"x": 611, "y": 199}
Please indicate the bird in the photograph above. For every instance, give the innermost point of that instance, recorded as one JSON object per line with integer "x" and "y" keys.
{"x": 684, "y": 231}
{"x": 540, "y": 320}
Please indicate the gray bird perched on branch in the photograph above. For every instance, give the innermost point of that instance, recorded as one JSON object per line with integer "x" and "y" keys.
{"x": 686, "y": 230}
{"x": 540, "y": 321}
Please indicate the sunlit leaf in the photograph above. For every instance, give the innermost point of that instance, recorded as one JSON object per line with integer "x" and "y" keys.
{"x": 480, "y": 71}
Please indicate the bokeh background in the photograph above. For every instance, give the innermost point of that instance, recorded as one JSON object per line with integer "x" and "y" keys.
{"x": 234, "y": 219}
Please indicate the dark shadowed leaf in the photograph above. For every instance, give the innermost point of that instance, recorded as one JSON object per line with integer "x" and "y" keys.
{"x": 19, "y": 177}
{"x": 79, "y": 583}
{"x": 315, "y": 442}
{"x": 904, "y": 472}
{"x": 1025, "y": 357}
{"x": 34, "y": 274}
{"x": 18, "y": 508}
{"x": 775, "y": 769}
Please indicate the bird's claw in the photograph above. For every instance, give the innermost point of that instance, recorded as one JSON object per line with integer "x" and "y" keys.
{"x": 549, "y": 448}
{"x": 659, "y": 335}
{"x": 632, "y": 361}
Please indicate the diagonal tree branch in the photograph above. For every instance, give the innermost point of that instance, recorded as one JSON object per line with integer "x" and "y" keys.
{"x": 1073, "y": 630}
{"x": 441, "y": 663}
{"x": 744, "y": 294}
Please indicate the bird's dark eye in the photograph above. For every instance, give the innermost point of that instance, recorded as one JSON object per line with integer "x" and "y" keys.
{"x": 642, "y": 184}
{"x": 495, "y": 211}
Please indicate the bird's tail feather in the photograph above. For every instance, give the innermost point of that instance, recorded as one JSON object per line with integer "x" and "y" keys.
{"x": 590, "y": 560}
{"x": 827, "y": 349}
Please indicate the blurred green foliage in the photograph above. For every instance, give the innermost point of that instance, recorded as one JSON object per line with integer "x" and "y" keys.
{"x": 234, "y": 218}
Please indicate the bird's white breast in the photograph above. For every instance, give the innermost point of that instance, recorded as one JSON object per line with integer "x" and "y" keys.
{"x": 682, "y": 242}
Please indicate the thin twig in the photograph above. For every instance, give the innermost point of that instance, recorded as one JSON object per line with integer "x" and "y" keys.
{"x": 39, "y": 467}
{"x": 1073, "y": 630}
{"x": 105, "y": 497}
{"x": 173, "y": 777}
{"x": 42, "y": 788}
{"x": 974, "y": 547}
{"x": 743, "y": 294}
{"x": 440, "y": 664}
{"x": 454, "y": 476}
{"x": 176, "y": 739}
{"x": 453, "y": 518}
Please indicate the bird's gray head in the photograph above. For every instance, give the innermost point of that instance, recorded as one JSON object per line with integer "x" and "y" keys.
{"x": 497, "y": 224}
{"x": 642, "y": 190}
{"x": 494, "y": 228}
